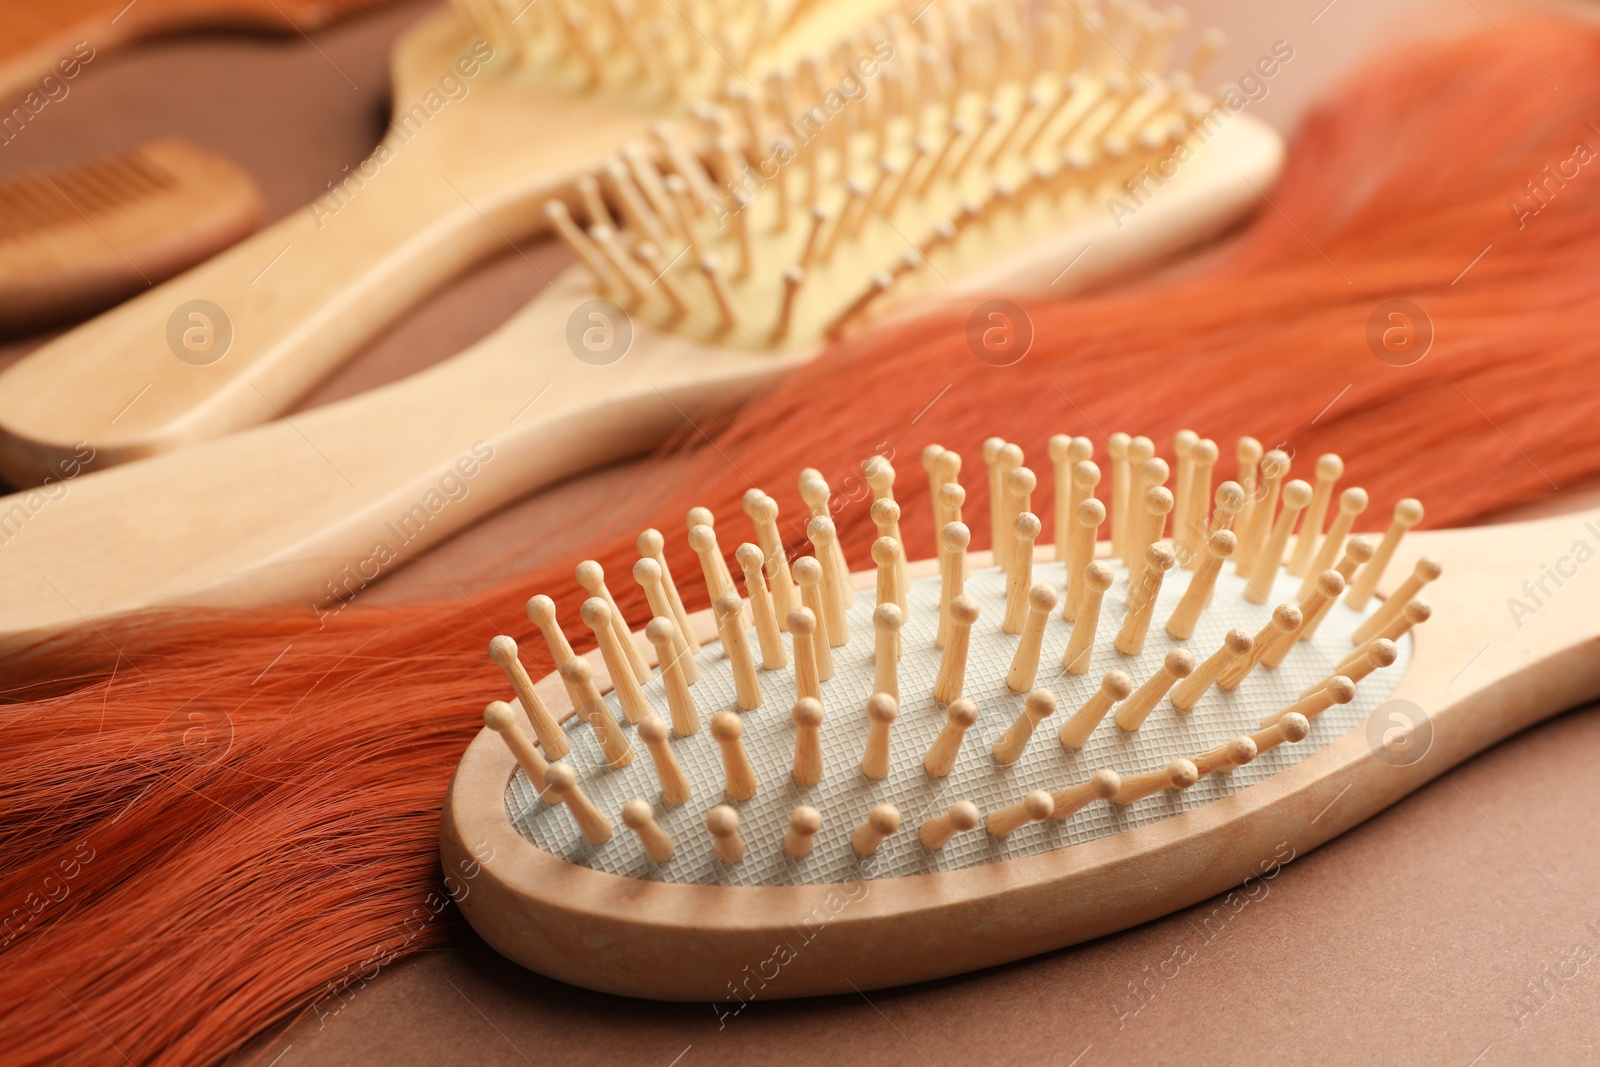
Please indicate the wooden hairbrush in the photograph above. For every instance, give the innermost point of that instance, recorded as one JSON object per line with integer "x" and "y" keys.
{"x": 497, "y": 106}
{"x": 36, "y": 36}
{"x": 79, "y": 239}
{"x": 293, "y": 510}
{"x": 966, "y": 806}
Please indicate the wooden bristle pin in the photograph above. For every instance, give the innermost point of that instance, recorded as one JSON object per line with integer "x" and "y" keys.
{"x": 773, "y": 655}
{"x": 1088, "y": 517}
{"x": 763, "y": 512}
{"x": 1248, "y": 452}
{"x": 804, "y": 822}
{"x": 652, "y": 546}
{"x": 953, "y": 540}
{"x": 837, "y": 592}
{"x": 1264, "y": 568}
{"x": 1179, "y": 774}
{"x": 807, "y": 715}
{"x": 881, "y": 711}
{"x": 991, "y": 461}
{"x": 1226, "y": 756}
{"x": 729, "y": 612}
{"x": 1291, "y": 729}
{"x": 1101, "y": 785}
{"x": 1236, "y": 645}
{"x": 941, "y": 756}
{"x": 542, "y": 613}
{"x": 882, "y": 821}
{"x": 1356, "y": 553}
{"x": 1025, "y": 661}
{"x": 802, "y": 629}
{"x": 723, "y": 823}
{"x": 503, "y": 651}
{"x": 680, "y": 702}
{"x": 1417, "y": 611}
{"x": 1183, "y": 443}
{"x": 1426, "y": 570}
{"x": 647, "y": 572}
{"x": 1178, "y": 665}
{"x": 1035, "y": 807}
{"x": 1039, "y": 705}
{"x": 1407, "y": 514}
{"x": 740, "y": 776}
{"x": 886, "y": 557}
{"x": 1189, "y": 526}
{"x": 591, "y": 708}
{"x": 703, "y": 540}
{"x": 638, "y": 816}
{"x": 886, "y": 514}
{"x": 1285, "y": 619}
{"x": 813, "y": 597}
{"x": 562, "y": 781}
{"x": 1019, "y": 579}
{"x": 1121, "y": 479}
{"x": 1329, "y": 469}
{"x": 1158, "y": 505}
{"x": 1019, "y": 486}
{"x": 937, "y": 831}
{"x": 1230, "y": 501}
{"x": 1262, "y": 508}
{"x": 930, "y": 466}
{"x": 1080, "y": 646}
{"x": 675, "y": 785}
{"x": 1329, "y": 585}
{"x": 1065, "y": 455}
{"x": 953, "y": 664}
{"x": 886, "y": 623}
{"x": 596, "y": 615}
{"x": 1352, "y": 502}
{"x": 499, "y": 717}
{"x": 1007, "y": 459}
{"x": 1336, "y": 690}
{"x": 1142, "y": 602}
{"x": 1381, "y": 652}
{"x": 1114, "y": 687}
{"x": 1218, "y": 548}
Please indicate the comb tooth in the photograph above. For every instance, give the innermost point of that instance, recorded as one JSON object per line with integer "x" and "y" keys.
{"x": 599, "y": 618}
{"x": 807, "y": 716}
{"x": 723, "y": 824}
{"x": 594, "y": 205}
{"x": 503, "y": 652}
{"x": 1088, "y": 517}
{"x": 822, "y": 533}
{"x": 1097, "y": 578}
{"x": 1102, "y": 785}
{"x": 1416, "y": 611}
{"x": 621, "y": 264}
{"x": 652, "y": 546}
{"x": 1352, "y": 502}
{"x": 802, "y": 629}
{"x": 1031, "y": 104}
{"x": 1039, "y": 705}
{"x": 680, "y": 703}
{"x": 1249, "y": 454}
{"x": 940, "y": 758}
{"x": 637, "y": 816}
{"x": 954, "y": 132}
{"x": 740, "y": 776}
{"x": 1226, "y": 757}
{"x": 650, "y": 257}
{"x": 804, "y": 822}
{"x": 1336, "y": 690}
{"x": 953, "y": 664}
{"x": 1179, "y": 774}
{"x": 1190, "y": 524}
{"x": 592, "y": 577}
{"x": 1128, "y": 456}
{"x": 1291, "y": 729}
{"x": 1381, "y": 653}
{"x": 1285, "y": 619}
{"x": 1019, "y": 579}
{"x": 683, "y": 214}
{"x": 763, "y": 512}
{"x": 729, "y": 610}
{"x": 1076, "y": 476}
{"x": 683, "y": 162}
{"x": 1264, "y": 505}
{"x": 1154, "y": 504}
{"x": 953, "y": 540}
{"x": 952, "y": 497}
{"x": 710, "y": 268}
{"x": 752, "y": 562}
{"x": 1235, "y": 650}
{"x": 648, "y": 180}
{"x": 1328, "y": 587}
{"x": 542, "y": 613}
{"x": 937, "y": 831}
{"x": 1142, "y": 601}
{"x": 1177, "y": 665}
{"x": 1211, "y": 42}
{"x": 879, "y": 284}
{"x": 991, "y": 121}
{"x": 808, "y": 571}
{"x": 1356, "y": 553}
{"x": 591, "y": 709}
{"x": 1019, "y": 483}
{"x": 793, "y": 277}
{"x": 1069, "y": 92}
{"x": 1264, "y": 569}
{"x": 1230, "y": 500}
{"x": 881, "y": 711}
{"x": 991, "y": 461}
{"x": 562, "y": 780}
{"x": 854, "y": 214}
{"x": 886, "y": 622}
{"x": 1035, "y": 807}
{"x": 1024, "y": 667}
{"x": 499, "y": 717}
{"x": 1329, "y": 468}
{"x": 819, "y": 219}
{"x": 882, "y": 821}
{"x": 591, "y": 254}
{"x": 892, "y": 104}
{"x": 1183, "y": 444}
{"x": 675, "y": 785}
{"x": 889, "y": 556}
{"x": 1008, "y": 458}
{"x": 1181, "y": 624}
{"x": 1114, "y": 687}
{"x": 574, "y": 26}
{"x": 635, "y": 210}
{"x": 703, "y": 540}
{"x": 1407, "y": 514}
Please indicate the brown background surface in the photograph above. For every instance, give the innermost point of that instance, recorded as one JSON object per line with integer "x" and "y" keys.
{"x": 1417, "y": 938}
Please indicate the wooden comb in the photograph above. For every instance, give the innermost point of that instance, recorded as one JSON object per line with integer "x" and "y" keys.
{"x": 927, "y": 811}
{"x": 497, "y": 106}
{"x": 36, "y": 36}
{"x": 76, "y": 240}
{"x": 292, "y": 508}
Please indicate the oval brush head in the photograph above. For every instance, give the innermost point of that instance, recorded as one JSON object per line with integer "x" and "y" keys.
{"x": 963, "y": 725}
{"x": 908, "y": 157}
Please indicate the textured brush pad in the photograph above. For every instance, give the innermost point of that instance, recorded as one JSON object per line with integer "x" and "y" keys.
{"x": 845, "y": 795}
